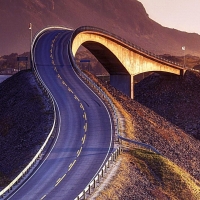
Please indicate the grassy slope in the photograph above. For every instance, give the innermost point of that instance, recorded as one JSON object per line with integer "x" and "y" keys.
{"x": 170, "y": 178}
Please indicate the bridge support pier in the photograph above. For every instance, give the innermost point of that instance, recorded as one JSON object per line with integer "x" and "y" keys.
{"x": 182, "y": 72}
{"x": 132, "y": 87}
{"x": 124, "y": 83}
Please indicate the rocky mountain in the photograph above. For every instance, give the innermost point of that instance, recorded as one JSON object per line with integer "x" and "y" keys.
{"x": 125, "y": 18}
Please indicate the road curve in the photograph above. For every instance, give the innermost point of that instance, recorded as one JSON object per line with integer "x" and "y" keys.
{"x": 85, "y": 127}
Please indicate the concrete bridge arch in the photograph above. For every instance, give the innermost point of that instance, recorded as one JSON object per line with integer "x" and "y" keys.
{"x": 121, "y": 59}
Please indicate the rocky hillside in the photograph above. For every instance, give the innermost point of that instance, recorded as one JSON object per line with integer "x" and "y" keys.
{"x": 175, "y": 99}
{"x": 126, "y": 18}
{"x": 164, "y": 114}
{"x": 26, "y": 117}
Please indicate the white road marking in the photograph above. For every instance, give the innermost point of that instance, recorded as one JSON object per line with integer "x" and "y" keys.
{"x": 79, "y": 151}
{"x": 83, "y": 139}
{"x": 85, "y": 116}
{"x": 43, "y": 197}
{"x": 81, "y": 106}
{"x": 59, "y": 180}
{"x": 85, "y": 127}
{"x": 71, "y": 165}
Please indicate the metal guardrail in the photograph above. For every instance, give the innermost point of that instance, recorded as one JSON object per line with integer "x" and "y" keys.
{"x": 141, "y": 144}
{"x": 133, "y": 46}
{"x": 93, "y": 184}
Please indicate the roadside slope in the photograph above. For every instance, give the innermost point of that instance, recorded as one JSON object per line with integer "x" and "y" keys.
{"x": 26, "y": 116}
{"x": 177, "y": 175}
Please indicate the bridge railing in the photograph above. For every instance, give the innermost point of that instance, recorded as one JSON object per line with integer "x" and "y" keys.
{"x": 24, "y": 172}
{"x": 82, "y": 195}
{"x": 134, "y": 46}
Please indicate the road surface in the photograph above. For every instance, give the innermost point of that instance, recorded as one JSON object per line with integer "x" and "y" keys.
{"x": 85, "y": 129}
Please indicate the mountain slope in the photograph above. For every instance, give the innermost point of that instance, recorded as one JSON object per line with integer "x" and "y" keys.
{"x": 126, "y": 18}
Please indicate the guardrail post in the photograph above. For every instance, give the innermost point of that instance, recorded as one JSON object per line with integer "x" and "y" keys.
{"x": 94, "y": 183}
{"x": 112, "y": 158}
{"x": 98, "y": 178}
{"x": 120, "y": 150}
{"x": 102, "y": 172}
{"x": 83, "y": 194}
{"x": 89, "y": 189}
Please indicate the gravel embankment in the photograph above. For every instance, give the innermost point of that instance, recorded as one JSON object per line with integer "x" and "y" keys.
{"x": 176, "y": 100}
{"x": 26, "y": 117}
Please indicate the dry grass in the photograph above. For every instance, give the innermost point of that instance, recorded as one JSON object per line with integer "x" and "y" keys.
{"x": 125, "y": 119}
{"x": 116, "y": 187}
{"x": 171, "y": 179}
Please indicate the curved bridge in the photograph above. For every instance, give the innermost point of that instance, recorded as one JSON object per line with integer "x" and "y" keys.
{"x": 120, "y": 58}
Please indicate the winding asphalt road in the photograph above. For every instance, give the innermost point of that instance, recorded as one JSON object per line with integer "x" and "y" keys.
{"x": 85, "y": 130}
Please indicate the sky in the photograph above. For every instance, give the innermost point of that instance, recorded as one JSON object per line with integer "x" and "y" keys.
{"x": 183, "y": 15}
